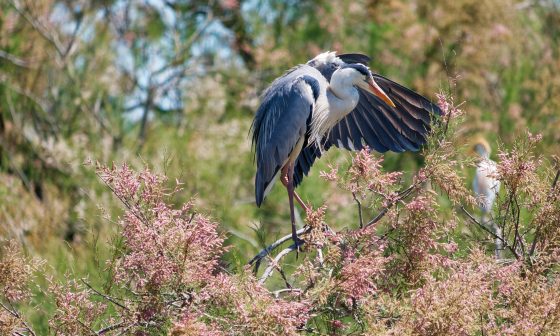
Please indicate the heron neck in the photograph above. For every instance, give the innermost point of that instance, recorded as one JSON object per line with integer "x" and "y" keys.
{"x": 484, "y": 154}
{"x": 343, "y": 98}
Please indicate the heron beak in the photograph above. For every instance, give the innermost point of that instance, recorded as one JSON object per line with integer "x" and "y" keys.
{"x": 376, "y": 90}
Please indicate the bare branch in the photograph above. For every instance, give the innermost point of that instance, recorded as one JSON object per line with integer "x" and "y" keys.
{"x": 482, "y": 226}
{"x": 266, "y": 251}
{"x": 17, "y": 315}
{"x": 106, "y": 297}
{"x": 39, "y": 27}
{"x": 110, "y": 328}
{"x": 15, "y": 60}
{"x": 402, "y": 195}
{"x": 286, "y": 290}
{"x": 359, "y": 209}
{"x": 180, "y": 56}
{"x": 274, "y": 263}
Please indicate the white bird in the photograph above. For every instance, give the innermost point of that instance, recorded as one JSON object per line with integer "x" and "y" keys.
{"x": 486, "y": 186}
{"x": 331, "y": 100}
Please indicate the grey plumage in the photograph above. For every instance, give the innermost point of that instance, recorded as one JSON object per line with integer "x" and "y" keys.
{"x": 332, "y": 101}
{"x": 282, "y": 119}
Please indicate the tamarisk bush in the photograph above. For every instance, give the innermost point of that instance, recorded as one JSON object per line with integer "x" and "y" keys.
{"x": 416, "y": 261}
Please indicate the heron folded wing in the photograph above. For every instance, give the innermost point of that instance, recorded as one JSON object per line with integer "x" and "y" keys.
{"x": 281, "y": 122}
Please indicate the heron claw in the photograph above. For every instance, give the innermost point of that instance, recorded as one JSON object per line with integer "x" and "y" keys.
{"x": 298, "y": 243}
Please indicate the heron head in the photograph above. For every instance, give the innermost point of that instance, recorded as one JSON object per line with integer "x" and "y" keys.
{"x": 481, "y": 147}
{"x": 366, "y": 82}
{"x": 481, "y": 150}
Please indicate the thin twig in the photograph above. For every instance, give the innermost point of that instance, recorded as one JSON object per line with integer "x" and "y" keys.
{"x": 106, "y": 297}
{"x": 359, "y": 209}
{"x": 110, "y": 328}
{"x": 180, "y": 55}
{"x": 283, "y": 275}
{"x": 125, "y": 330}
{"x": 15, "y": 60}
{"x": 402, "y": 195}
{"x": 274, "y": 263}
{"x": 39, "y": 27}
{"x": 482, "y": 226}
{"x": 17, "y": 315}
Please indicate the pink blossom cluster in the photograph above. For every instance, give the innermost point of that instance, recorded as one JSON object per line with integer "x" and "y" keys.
{"x": 171, "y": 260}
{"x": 251, "y": 309}
{"x": 448, "y": 107}
{"x": 166, "y": 247}
{"x": 15, "y": 272}
{"x": 361, "y": 274}
{"x": 76, "y": 312}
{"x": 365, "y": 166}
{"x": 517, "y": 168}
{"x": 418, "y": 264}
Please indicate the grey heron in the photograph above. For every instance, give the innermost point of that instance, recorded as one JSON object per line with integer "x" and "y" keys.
{"x": 486, "y": 187}
{"x": 331, "y": 100}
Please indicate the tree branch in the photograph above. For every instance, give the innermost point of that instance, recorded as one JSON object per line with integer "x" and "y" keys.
{"x": 17, "y": 315}
{"x": 106, "y": 297}
{"x": 274, "y": 263}
{"x": 15, "y": 60}
{"x": 359, "y": 209}
{"x": 286, "y": 290}
{"x": 402, "y": 195}
{"x": 267, "y": 250}
{"x": 482, "y": 226}
{"x": 39, "y": 27}
{"x": 110, "y": 328}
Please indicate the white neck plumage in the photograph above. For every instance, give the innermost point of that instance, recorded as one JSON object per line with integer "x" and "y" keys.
{"x": 342, "y": 98}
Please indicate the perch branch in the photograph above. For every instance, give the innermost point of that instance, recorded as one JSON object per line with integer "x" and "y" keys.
{"x": 274, "y": 262}
{"x": 266, "y": 251}
{"x": 286, "y": 290}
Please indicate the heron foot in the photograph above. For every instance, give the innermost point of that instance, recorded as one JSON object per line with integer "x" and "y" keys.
{"x": 298, "y": 243}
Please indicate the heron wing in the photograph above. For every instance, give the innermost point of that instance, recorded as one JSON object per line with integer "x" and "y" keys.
{"x": 281, "y": 122}
{"x": 374, "y": 123}
{"x": 397, "y": 129}
{"x": 382, "y": 127}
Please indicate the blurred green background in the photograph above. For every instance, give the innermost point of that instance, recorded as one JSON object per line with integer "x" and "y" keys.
{"x": 173, "y": 85}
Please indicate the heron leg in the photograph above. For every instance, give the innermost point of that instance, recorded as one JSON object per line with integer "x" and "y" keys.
{"x": 285, "y": 181}
{"x": 290, "y": 186}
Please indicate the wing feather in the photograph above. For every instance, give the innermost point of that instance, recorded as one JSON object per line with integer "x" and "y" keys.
{"x": 280, "y": 123}
{"x": 378, "y": 125}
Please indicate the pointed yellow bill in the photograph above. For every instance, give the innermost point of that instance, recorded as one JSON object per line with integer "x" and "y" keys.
{"x": 376, "y": 90}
